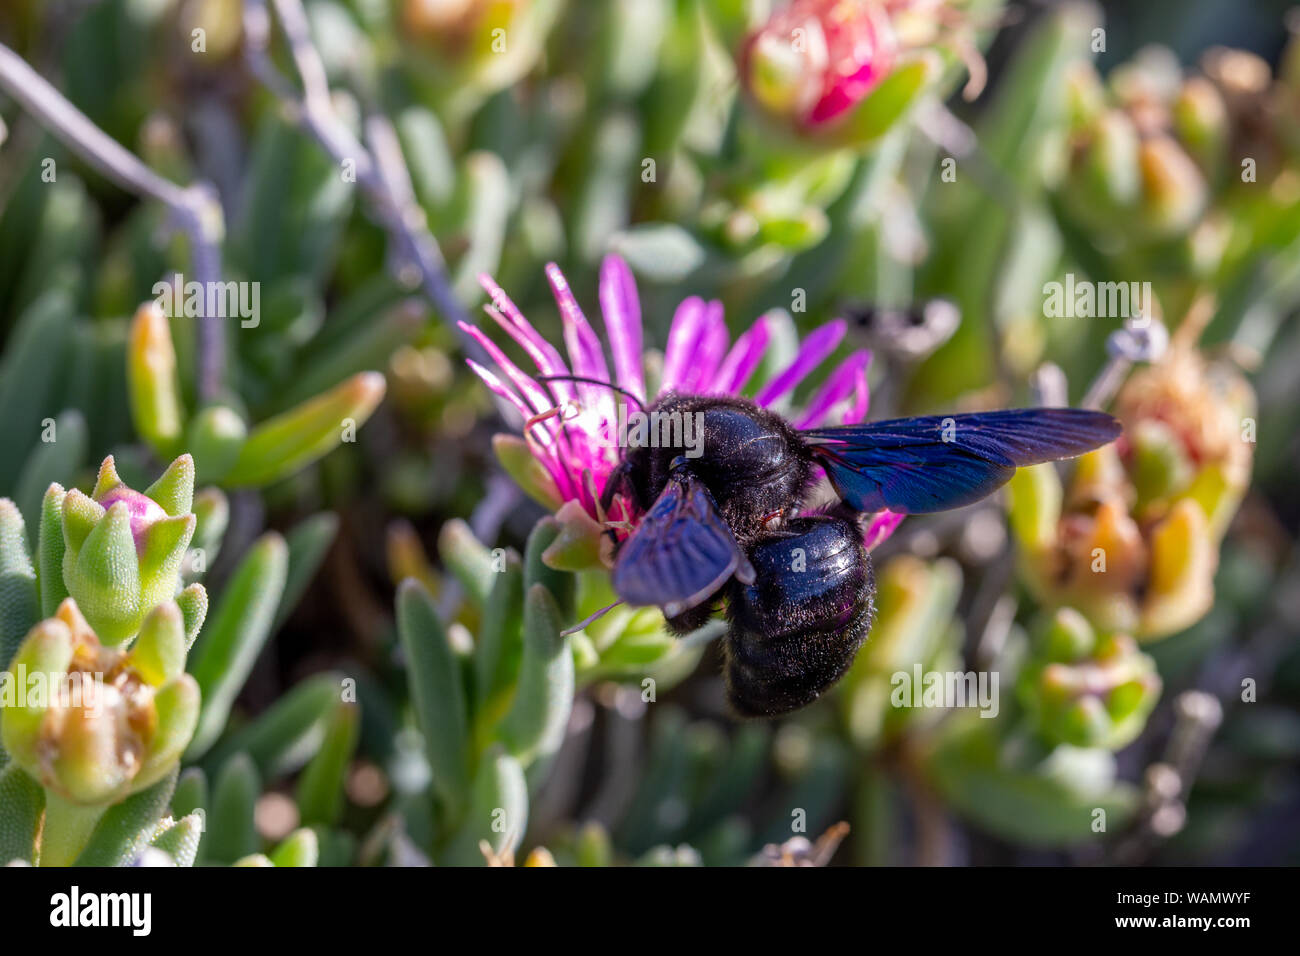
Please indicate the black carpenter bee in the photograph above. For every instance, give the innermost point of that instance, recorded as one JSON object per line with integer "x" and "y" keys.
{"x": 728, "y": 526}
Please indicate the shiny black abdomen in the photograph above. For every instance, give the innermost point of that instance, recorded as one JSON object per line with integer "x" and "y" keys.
{"x": 796, "y": 629}
{"x": 751, "y": 460}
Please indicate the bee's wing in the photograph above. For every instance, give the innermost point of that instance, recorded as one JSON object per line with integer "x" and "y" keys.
{"x": 919, "y": 465}
{"x": 681, "y": 552}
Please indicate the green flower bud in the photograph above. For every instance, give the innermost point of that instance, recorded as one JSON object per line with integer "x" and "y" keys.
{"x": 1111, "y": 161}
{"x": 1201, "y": 119}
{"x": 215, "y": 437}
{"x": 1184, "y": 557}
{"x": 95, "y": 724}
{"x": 1160, "y": 466}
{"x": 1173, "y": 190}
{"x": 1085, "y": 689}
{"x": 1085, "y": 96}
{"x": 151, "y": 379}
{"x": 123, "y": 548}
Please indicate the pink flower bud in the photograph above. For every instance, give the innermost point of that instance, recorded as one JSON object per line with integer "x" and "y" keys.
{"x": 816, "y": 59}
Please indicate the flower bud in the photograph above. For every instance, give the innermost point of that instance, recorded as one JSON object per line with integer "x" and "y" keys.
{"x": 1206, "y": 410}
{"x": 814, "y": 60}
{"x": 1180, "y": 589}
{"x": 151, "y": 379}
{"x": 1201, "y": 120}
{"x": 1111, "y": 160}
{"x": 1086, "y": 689}
{"x": 1173, "y": 190}
{"x": 95, "y": 724}
{"x": 1085, "y": 96}
{"x": 490, "y": 43}
{"x": 124, "y": 548}
{"x": 215, "y": 437}
{"x": 1159, "y": 464}
{"x": 1135, "y": 546}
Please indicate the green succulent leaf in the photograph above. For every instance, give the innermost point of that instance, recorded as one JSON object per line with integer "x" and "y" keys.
{"x": 497, "y": 814}
{"x": 499, "y": 649}
{"x": 239, "y": 628}
{"x": 180, "y": 839}
{"x": 300, "y": 848}
{"x": 22, "y": 801}
{"x": 534, "y": 727}
{"x": 126, "y": 828}
{"x": 29, "y": 379}
{"x": 231, "y": 833}
{"x": 466, "y": 558}
{"x": 436, "y": 686}
{"x": 19, "y": 607}
{"x": 320, "y": 787}
{"x": 283, "y": 738}
{"x": 49, "y": 552}
{"x": 291, "y": 441}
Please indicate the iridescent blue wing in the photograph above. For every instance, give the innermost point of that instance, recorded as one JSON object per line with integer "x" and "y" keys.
{"x": 680, "y": 553}
{"x": 919, "y": 465}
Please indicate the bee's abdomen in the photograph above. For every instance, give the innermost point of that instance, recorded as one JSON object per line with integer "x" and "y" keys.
{"x": 796, "y": 629}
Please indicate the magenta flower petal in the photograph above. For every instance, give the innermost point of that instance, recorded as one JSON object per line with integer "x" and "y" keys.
{"x": 710, "y": 347}
{"x": 743, "y": 358}
{"x": 814, "y": 349}
{"x": 621, "y": 309}
{"x": 536, "y": 396}
{"x": 553, "y": 454}
{"x": 545, "y": 355}
{"x": 141, "y": 510}
{"x": 585, "y": 352}
{"x": 683, "y": 337}
{"x": 498, "y": 387}
{"x": 531, "y": 390}
{"x": 881, "y": 527}
{"x": 843, "y": 383}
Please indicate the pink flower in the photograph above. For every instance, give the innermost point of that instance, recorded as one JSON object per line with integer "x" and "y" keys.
{"x": 574, "y": 425}
{"x": 816, "y": 59}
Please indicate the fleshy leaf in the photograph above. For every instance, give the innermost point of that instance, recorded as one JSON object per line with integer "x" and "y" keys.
{"x": 49, "y": 552}
{"x": 291, "y": 441}
{"x": 19, "y": 607}
{"x": 434, "y": 677}
{"x": 320, "y": 786}
{"x": 535, "y": 726}
{"x": 235, "y": 635}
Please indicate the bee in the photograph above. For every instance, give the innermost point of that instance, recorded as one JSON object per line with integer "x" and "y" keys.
{"x": 727, "y": 530}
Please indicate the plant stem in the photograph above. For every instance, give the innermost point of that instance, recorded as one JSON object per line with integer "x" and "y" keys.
{"x": 194, "y": 209}
{"x": 381, "y": 172}
{"x": 67, "y": 830}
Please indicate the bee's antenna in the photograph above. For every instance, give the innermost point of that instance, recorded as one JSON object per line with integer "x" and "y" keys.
{"x": 593, "y": 381}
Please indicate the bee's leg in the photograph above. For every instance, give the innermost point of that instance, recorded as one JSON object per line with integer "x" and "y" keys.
{"x": 613, "y": 485}
{"x": 692, "y": 619}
